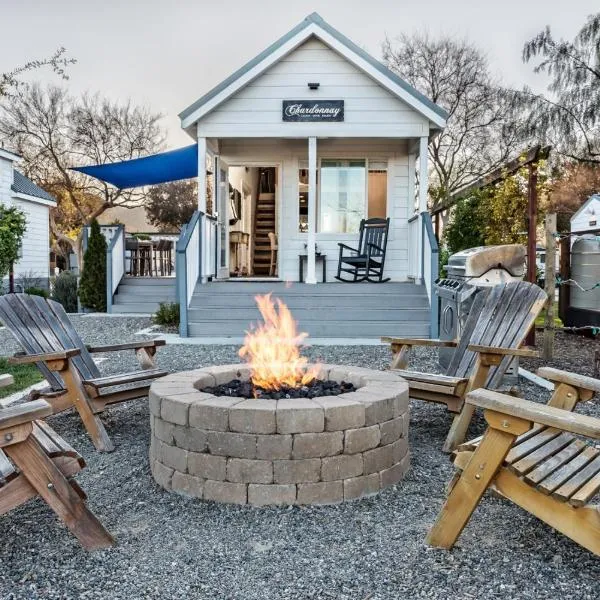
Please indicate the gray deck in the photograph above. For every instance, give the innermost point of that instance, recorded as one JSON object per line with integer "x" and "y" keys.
{"x": 142, "y": 295}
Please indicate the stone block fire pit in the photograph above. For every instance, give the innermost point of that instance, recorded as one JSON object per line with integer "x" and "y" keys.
{"x": 320, "y": 450}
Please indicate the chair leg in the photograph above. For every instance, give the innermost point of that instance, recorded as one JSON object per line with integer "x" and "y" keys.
{"x": 91, "y": 421}
{"x": 468, "y": 490}
{"x": 58, "y": 493}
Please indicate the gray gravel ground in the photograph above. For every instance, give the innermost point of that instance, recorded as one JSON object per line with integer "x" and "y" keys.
{"x": 171, "y": 547}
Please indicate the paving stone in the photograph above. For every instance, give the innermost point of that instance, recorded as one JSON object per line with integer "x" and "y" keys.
{"x": 212, "y": 413}
{"x": 154, "y": 403}
{"x": 378, "y": 459}
{"x": 297, "y": 471}
{"x": 227, "y": 443}
{"x": 274, "y": 494}
{"x": 163, "y": 430}
{"x": 244, "y": 470}
{"x": 358, "y": 487}
{"x": 359, "y": 440}
{"x": 342, "y": 413}
{"x": 225, "y": 373}
{"x": 315, "y": 445}
{"x": 174, "y": 410}
{"x": 174, "y": 457}
{"x": 207, "y": 466}
{"x": 341, "y": 467}
{"x": 325, "y": 492}
{"x": 253, "y": 416}
{"x": 378, "y": 407}
{"x": 299, "y": 416}
{"x": 394, "y": 474}
{"x": 190, "y": 438}
{"x": 162, "y": 474}
{"x": 391, "y": 430}
{"x": 225, "y": 491}
{"x": 399, "y": 449}
{"x": 187, "y": 485}
{"x": 271, "y": 447}
{"x": 401, "y": 402}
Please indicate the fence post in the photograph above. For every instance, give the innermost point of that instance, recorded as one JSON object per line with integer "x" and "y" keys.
{"x": 550, "y": 286}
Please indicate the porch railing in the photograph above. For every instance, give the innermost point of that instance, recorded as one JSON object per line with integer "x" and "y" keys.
{"x": 413, "y": 247}
{"x": 430, "y": 269}
{"x": 211, "y": 234}
{"x": 188, "y": 268}
{"x": 115, "y": 264}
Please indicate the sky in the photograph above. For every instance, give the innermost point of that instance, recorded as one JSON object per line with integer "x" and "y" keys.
{"x": 167, "y": 53}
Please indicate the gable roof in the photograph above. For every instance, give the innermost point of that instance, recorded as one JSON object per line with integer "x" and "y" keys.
{"x": 592, "y": 198}
{"x": 314, "y": 25}
{"x": 24, "y": 185}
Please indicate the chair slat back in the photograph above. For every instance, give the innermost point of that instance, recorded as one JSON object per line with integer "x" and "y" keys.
{"x": 373, "y": 231}
{"x": 41, "y": 325}
{"x": 500, "y": 317}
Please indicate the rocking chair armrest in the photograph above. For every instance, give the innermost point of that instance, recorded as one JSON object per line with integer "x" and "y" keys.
{"x": 419, "y": 342}
{"x": 535, "y": 413}
{"x": 25, "y": 359}
{"x": 24, "y": 413}
{"x": 127, "y": 346}
{"x": 378, "y": 248}
{"x": 348, "y": 247}
{"x": 573, "y": 379}
{"x": 523, "y": 352}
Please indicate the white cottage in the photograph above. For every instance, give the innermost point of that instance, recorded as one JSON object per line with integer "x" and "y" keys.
{"x": 587, "y": 218}
{"x": 17, "y": 190}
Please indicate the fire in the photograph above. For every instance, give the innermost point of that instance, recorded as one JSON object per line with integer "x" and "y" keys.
{"x": 273, "y": 349}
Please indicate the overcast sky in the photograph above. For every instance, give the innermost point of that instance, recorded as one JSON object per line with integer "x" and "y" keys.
{"x": 167, "y": 53}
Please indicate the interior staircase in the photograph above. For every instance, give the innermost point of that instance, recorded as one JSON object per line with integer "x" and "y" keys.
{"x": 326, "y": 310}
{"x": 263, "y": 224}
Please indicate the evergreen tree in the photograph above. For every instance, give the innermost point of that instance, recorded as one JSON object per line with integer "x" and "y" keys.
{"x": 92, "y": 286}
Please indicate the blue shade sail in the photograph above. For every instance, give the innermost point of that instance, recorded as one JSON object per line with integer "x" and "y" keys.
{"x": 149, "y": 170}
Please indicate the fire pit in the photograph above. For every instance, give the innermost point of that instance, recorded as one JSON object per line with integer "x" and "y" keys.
{"x": 279, "y": 432}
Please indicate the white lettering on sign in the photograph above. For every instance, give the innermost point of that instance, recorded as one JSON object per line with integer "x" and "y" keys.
{"x": 294, "y": 110}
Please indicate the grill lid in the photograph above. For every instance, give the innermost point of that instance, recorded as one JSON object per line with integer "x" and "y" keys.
{"x": 474, "y": 262}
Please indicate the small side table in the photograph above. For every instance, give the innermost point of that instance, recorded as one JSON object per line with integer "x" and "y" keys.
{"x": 318, "y": 257}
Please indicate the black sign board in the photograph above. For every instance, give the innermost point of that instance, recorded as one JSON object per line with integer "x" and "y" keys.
{"x": 313, "y": 110}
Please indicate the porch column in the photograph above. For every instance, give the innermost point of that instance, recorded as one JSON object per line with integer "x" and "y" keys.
{"x": 423, "y": 185}
{"x": 202, "y": 174}
{"x": 312, "y": 210}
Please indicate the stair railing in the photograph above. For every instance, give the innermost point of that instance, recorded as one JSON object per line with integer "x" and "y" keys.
{"x": 189, "y": 266}
{"x": 430, "y": 270}
{"x": 115, "y": 264}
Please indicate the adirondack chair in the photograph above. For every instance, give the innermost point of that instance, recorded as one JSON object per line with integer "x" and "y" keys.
{"x": 36, "y": 461}
{"x": 534, "y": 455}
{"x": 51, "y": 343}
{"x": 494, "y": 331}
{"x": 366, "y": 262}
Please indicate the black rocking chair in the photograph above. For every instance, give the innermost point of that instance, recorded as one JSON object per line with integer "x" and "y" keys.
{"x": 366, "y": 263}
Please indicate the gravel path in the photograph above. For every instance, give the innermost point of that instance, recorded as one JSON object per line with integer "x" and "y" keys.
{"x": 170, "y": 547}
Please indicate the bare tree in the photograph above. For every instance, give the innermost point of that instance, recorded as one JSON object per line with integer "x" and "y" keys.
{"x": 54, "y": 131}
{"x": 171, "y": 205}
{"x": 568, "y": 117}
{"x": 480, "y": 134}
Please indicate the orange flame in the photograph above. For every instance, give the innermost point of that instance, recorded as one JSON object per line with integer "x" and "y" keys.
{"x": 273, "y": 349}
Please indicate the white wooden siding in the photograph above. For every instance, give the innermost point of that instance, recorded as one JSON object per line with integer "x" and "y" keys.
{"x": 591, "y": 213}
{"x": 370, "y": 110}
{"x": 287, "y": 155}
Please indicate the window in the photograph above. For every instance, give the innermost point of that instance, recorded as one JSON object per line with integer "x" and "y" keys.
{"x": 303, "y": 200}
{"x": 343, "y": 195}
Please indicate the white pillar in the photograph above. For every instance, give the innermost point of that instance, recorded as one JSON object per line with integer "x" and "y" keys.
{"x": 423, "y": 185}
{"x": 312, "y": 210}
{"x": 202, "y": 174}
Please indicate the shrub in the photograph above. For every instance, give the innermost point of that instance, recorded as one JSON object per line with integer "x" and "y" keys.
{"x": 37, "y": 291}
{"x": 92, "y": 286}
{"x": 167, "y": 314}
{"x": 65, "y": 291}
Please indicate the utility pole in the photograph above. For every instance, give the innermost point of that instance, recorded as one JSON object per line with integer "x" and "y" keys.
{"x": 550, "y": 286}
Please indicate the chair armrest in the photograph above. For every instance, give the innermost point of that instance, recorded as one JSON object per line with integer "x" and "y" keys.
{"x": 375, "y": 246}
{"x": 524, "y": 352}
{"x": 127, "y": 346}
{"x": 24, "y": 413}
{"x": 535, "y": 413}
{"x": 26, "y": 359}
{"x": 419, "y": 342}
{"x": 573, "y": 379}
{"x": 348, "y": 247}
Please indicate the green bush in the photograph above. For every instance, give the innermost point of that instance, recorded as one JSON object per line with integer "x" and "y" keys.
{"x": 167, "y": 314}
{"x": 65, "y": 291}
{"x": 92, "y": 286}
{"x": 37, "y": 291}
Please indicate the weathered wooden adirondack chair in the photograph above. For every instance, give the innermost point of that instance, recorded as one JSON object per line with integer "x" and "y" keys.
{"x": 365, "y": 263}
{"x": 494, "y": 331}
{"x": 534, "y": 455}
{"x": 50, "y": 341}
{"x": 36, "y": 461}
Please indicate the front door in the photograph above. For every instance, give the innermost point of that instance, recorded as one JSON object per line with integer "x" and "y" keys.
{"x": 222, "y": 206}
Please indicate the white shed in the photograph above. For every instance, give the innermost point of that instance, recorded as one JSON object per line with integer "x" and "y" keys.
{"x": 587, "y": 218}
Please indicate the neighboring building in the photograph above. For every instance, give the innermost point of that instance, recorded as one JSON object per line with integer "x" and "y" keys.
{"x": 135, "y": 221}
{"x": 587, "y": 218}
{"x": 17, "y": 190}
